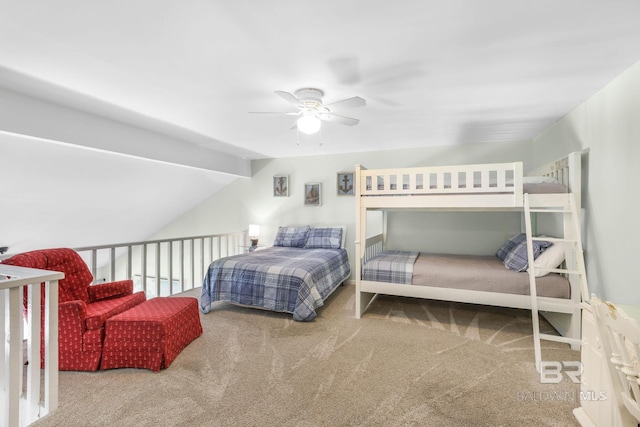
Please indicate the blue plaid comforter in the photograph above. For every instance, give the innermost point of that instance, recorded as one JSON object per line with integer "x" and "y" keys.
{"x": 284, "y": 279}
{"x": 391, "y": 267}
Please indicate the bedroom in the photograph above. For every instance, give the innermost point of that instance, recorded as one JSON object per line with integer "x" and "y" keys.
{"x": 606, "y": 123}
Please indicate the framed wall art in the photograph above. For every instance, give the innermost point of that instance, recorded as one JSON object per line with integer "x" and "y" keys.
{"x": 345, "y": 184}
{"x": 281, "y": 186}
{"x": 312, "y": 194}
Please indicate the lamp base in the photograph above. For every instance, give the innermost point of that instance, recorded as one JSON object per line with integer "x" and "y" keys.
{"x": 254, "y": 242}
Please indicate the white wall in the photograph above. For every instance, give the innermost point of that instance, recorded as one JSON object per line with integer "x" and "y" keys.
{"x": 248, "y": 201}
{"x": 608, "y": 125}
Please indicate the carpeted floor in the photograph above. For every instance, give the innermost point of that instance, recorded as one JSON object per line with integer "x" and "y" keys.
{"x": 407, "y": 362}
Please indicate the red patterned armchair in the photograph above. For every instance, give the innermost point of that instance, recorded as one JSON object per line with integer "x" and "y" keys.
{"x": 83, "y": 309}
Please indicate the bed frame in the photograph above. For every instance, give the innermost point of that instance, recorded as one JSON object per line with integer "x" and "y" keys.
{"x": 485, "y": 187}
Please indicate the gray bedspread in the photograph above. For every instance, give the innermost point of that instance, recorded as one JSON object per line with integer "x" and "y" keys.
{"x": 482, "y": 273}
{"x": 479, "y": 273}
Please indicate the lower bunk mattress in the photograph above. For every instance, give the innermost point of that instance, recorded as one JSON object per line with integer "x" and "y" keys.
{"x": 468, "y": 272}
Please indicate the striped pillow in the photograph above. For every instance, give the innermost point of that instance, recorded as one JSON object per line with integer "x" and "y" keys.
{"x": 510, "y": 245}
{"x": 324, "y": 238}
{"x": 293, "y": 237}
{"x": 517, "y": 259}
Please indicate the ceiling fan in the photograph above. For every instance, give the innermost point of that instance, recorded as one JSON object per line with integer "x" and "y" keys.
{"x": 312, "y": 111}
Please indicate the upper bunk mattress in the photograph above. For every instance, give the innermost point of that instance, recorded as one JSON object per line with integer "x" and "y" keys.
{"x": 542, "y": 185}
{"x": 478, "y": 273}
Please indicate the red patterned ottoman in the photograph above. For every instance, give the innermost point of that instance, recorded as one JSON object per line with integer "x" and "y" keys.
{"x": 151, "y": 335}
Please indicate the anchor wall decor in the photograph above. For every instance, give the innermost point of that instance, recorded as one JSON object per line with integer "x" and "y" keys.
{"x": 345, "y": 183}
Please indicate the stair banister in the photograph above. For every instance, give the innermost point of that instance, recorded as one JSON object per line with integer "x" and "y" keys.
{"x": 18, "y": 409}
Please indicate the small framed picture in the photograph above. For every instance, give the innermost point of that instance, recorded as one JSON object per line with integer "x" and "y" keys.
{"x": 345, "y": 184}
{"x": 312, "y": 196}
{"x": 281, "y": 186}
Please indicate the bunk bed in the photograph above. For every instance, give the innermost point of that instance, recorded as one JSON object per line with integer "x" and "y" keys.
{"x": 470, "y": 279}
{"x": 295, "y": 275}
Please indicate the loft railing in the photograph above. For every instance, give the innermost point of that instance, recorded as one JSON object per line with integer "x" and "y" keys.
{"x": 161, "y": 267}
{"x": 158, "y": 267}
{"x": 22, "y": 401}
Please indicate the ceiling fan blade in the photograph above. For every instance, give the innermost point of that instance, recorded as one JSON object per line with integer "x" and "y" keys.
{"x": 349, "y": 121}
{"x": 289, "y": 97}
{"x": 354, "y": 102}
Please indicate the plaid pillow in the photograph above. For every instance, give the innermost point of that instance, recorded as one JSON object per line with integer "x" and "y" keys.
{"x": 517, "y": 259}
{"x": 293, "y": 237}
{"x": 324, "y": 238}
{"x": 510, "y": 245}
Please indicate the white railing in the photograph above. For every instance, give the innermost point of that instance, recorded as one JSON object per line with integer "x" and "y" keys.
{"x": 161, "y": 267}
{"x": 460, "y": 179}
{"x": 21, "y": 400}
{"x": 158, "y": 267}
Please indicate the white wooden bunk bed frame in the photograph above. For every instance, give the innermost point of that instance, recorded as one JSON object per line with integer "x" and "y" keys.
{"x": 484, "y": 187}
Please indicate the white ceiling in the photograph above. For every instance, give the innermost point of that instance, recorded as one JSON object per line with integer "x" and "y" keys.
{"x": 432, "y": 72}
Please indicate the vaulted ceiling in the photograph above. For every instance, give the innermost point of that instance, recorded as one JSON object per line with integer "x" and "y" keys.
{"x": 432, "y": 73}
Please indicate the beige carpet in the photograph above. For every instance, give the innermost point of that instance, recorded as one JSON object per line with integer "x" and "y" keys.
{"x": 407, "y": 362}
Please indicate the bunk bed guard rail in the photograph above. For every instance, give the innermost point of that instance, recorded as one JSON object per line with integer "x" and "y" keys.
{"x": 460, "y": 179}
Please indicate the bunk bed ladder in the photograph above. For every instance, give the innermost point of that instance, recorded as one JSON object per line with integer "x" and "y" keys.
{"x": 574, "y": 266}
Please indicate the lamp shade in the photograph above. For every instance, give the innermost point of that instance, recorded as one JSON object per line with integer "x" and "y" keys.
{"x": 254, "y": 230}
{"x": 308, "y": 124}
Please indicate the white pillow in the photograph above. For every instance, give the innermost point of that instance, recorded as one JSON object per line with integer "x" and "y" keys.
{"x": 552, "y": 257}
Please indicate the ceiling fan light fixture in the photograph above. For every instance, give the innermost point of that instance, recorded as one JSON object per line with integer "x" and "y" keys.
{"x": 308, "y": 124}
{"x": 311, "y": 111}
